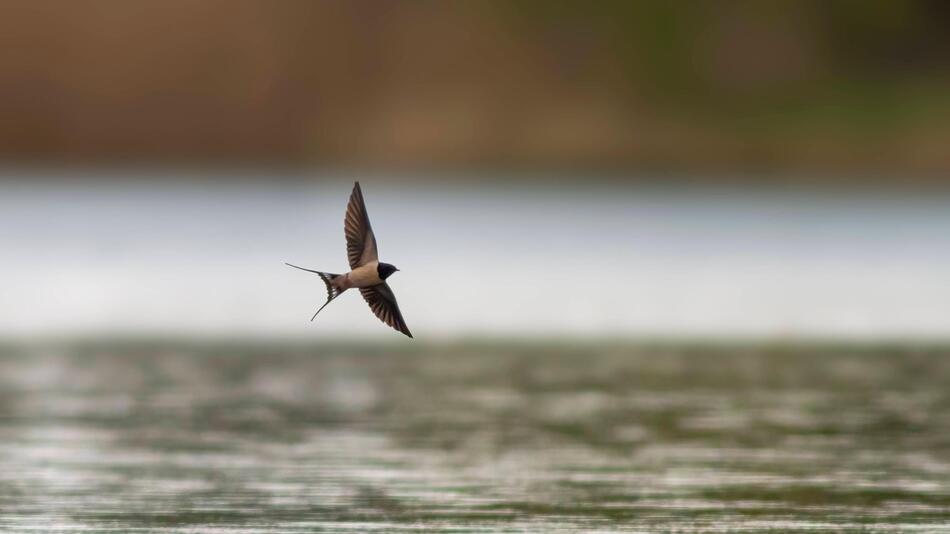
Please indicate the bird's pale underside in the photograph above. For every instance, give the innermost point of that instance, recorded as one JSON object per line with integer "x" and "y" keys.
{"x": 367, "y": 273}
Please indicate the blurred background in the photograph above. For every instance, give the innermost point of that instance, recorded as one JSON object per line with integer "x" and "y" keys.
{"x": 617, "y": 168}
{"x": 670, "y": 266}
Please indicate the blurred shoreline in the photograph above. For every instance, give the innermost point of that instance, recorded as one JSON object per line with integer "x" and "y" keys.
{"x": 699, "y": 86}
{"x": 231, "y": 175}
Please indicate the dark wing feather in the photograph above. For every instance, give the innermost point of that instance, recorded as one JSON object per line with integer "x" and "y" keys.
{"x": 360, "y": 241}
{"x": 383, "y": 303}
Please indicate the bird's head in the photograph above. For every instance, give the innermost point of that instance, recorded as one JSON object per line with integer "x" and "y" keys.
{"x": 385, "y": 270}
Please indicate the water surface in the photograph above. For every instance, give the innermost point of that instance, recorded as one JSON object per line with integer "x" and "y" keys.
{"x": 178, "y": 257}
{"x": 491, "y": 438}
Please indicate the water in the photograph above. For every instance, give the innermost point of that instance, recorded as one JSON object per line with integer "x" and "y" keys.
{"x": 175, "y": 256}
{"x": 488, "y": 438}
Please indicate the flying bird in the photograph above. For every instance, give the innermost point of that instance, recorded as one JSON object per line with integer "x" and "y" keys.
{"x": 367, "y": 273}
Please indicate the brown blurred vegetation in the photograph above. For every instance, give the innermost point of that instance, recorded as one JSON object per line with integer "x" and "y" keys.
{"x": 830, "y": 85}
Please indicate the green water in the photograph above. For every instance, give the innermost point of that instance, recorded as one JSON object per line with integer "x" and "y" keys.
{"x": 488, "y": 438}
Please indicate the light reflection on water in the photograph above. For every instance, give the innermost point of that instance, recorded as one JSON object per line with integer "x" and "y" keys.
{"x": 173, "y": 257}
{"x": 456, "y": 439}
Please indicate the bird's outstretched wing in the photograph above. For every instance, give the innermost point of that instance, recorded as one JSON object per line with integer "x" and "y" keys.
{"x": 383, "y": 303}
{"x": 360, "y": 241}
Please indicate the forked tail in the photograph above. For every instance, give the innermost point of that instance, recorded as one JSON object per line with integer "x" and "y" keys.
{"x": 332, "y": 291}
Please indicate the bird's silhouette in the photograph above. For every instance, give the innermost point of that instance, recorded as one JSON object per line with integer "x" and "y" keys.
{"x": 367, "y": 273}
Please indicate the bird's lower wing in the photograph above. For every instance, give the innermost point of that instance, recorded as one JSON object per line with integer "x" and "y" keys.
{"x": 383, "y": 303}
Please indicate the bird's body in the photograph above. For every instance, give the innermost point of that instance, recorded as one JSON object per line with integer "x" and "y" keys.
{"x": 363, "y": 276}
{"x": 367, "y": 273}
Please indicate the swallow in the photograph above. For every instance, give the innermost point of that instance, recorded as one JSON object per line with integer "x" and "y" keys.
{"x": 367, "y": 273}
